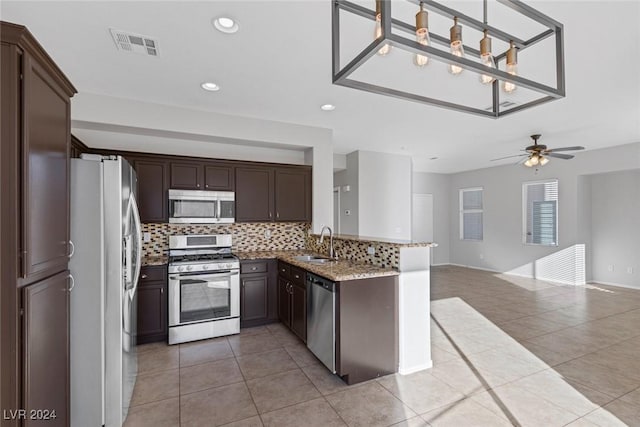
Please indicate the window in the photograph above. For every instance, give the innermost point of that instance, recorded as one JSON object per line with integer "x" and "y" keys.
{"x": 471, "y": 214}
{"x": 540, "y": 212}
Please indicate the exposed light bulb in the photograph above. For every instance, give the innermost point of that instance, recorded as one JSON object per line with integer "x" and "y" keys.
{"x": 543, "y": 160}
{"x": 456, "y": 46}
{"x": 528, "y": 163}
{"x": 422, "y": 36}
{"x": 486, "y": 58}
{"x": 386, "y": 48}
{"x": 534, "y": 159}
{"x": 512, "y": 68}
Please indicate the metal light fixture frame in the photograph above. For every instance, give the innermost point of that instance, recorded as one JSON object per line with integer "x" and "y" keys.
{"x": 554, "y": 28}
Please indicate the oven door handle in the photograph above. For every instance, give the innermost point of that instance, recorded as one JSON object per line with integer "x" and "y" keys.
{"x": 204, "y": 276}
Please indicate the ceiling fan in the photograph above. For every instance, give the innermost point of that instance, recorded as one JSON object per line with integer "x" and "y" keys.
{"x": 538, "y": 154}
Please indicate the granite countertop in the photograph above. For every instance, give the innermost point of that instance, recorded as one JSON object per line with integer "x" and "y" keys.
{"x": 154, "y": 260}
{"x": 337, "y": 271}
{"x": 397, "y": 242}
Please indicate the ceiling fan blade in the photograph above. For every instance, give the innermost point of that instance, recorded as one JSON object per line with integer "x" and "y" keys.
{"x": 560, "y": 156}
{"x": 509, "y": 157}
{"x": 577, "y": 147}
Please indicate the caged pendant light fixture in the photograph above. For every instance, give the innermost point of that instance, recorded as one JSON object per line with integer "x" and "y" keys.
{"x": 496, "y": 70}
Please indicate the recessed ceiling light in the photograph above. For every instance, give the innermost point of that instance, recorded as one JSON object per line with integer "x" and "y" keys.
{"x": 211, "y": 87}
{"x": 327, "y": 107}
{"x": 225, "y": 24}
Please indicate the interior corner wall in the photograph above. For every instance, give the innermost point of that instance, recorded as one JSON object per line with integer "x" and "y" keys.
{"x": 585, "y": 221}
{"x": 384, "y": 195}
{"x": 439, "y": 185}
{"x": 615, "y": 228}
{"x": 502, "y": 248}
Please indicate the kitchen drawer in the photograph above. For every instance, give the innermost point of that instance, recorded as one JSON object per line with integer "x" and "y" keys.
{"x": 284, "y": 269}
{"x": 297, "y": 276}
{"x": 249, "y": 267}
{"x": 153, "y": 273}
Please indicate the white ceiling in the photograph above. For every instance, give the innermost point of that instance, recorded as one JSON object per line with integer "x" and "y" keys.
{"x": 278, "y": 67}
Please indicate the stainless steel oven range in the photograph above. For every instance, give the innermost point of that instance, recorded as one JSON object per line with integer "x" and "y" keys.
{"x": 204, "y": 288}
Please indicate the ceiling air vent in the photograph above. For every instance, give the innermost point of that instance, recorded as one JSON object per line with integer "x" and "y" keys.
{"x": 134, "y": 43}
{"x": 503, "y": 105}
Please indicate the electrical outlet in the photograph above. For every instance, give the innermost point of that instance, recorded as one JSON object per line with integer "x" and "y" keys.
{"x": 267, "y": 234}
{"x": 146, "y": 237}
{"x": 630, "y": 270}
{"x": 610, "y": 268}
{"x": 371, "y": 250}
{"x": 347, "y": 212}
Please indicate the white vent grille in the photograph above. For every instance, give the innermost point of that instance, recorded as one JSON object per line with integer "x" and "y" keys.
{"x": 134, "y": 43}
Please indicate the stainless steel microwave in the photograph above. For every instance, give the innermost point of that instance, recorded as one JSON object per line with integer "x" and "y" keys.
{"x": 201, "y": 207}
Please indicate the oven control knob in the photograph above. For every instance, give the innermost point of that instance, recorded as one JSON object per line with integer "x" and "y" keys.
{"x": 189, "y": 268}
{"x": 180, "y": 268}
{"x": 205, "y": 267}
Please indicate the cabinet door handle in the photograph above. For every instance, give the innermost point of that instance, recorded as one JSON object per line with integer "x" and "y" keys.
{"x": 73, "y": 283}
{"x": 254, "y": 268}
{"x": 277, "y": 214}
{"x": 297, "y": 277}
{"x": 162, "y": 290}
{"x": 270, "y": 215}
{"x": 198, "y": 185}
{"x": 73, "y": 249}
{"x": 144, "y": 276}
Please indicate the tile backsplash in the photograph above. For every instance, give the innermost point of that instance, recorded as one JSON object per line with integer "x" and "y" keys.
{"x": 262, "y": 236}
{"x": 386, "y": 254}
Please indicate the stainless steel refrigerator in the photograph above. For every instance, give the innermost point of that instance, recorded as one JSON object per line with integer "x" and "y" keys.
{"x": 107, "y": 239}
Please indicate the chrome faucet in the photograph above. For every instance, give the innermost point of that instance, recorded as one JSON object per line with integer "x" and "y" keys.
{"x": 332, "y": 251}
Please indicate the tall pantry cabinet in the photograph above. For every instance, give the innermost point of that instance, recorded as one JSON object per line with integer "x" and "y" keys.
{"x": 34, "y": 232}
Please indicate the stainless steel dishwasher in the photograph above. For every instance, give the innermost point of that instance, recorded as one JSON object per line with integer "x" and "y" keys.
{"x": 321, "y": 319}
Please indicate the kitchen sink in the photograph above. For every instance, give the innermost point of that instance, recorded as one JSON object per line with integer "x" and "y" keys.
{"x": 315, "y": 259}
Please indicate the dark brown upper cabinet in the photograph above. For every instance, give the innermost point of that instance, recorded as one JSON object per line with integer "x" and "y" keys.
{"x": 201, "y": 176}
{"x": 45, "y": 172}
{"x": 273, "y": 194}
{"x": 152, "y": 189}
{"x": 186, "y": 176}
{"x": 254, "y": 194}
{"x": 218, "y": 178}
{"x": 293, "y": 194}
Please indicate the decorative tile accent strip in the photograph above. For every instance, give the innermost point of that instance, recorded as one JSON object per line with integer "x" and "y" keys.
{"x": 386, "y": 254}
{"x": 246, "y": 236}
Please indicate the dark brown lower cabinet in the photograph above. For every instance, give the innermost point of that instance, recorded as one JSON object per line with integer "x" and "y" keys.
{"x": 152, "y": 304}
{"x": 284, "y": 301}
{"x": 299, "y": 311}
{"x": 258, "y": 293}
{"x": 46, "y": 351}
{"x": 292, "y": 299}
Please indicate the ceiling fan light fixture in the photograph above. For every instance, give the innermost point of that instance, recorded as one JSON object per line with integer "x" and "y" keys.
{"x": 543, "y": 160}
{"x": 528, "y": 163}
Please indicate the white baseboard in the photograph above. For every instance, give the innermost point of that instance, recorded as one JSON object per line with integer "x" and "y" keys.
{"x": 440, "y": 264}
{"x": 414, "y": 369}
{"x": 619, "y": 285}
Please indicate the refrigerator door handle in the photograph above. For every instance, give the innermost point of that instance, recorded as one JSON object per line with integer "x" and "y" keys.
{"x": 138, "y": 237}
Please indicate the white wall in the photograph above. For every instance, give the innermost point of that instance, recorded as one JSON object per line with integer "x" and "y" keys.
{"x": 439, "y": 185}
{"x": 502, "y": 248}
{"x": 615, "y": 227}
{"x": 384, "y": 195}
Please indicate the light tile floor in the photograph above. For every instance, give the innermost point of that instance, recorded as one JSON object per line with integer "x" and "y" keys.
{"x": 506, "y": 351}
